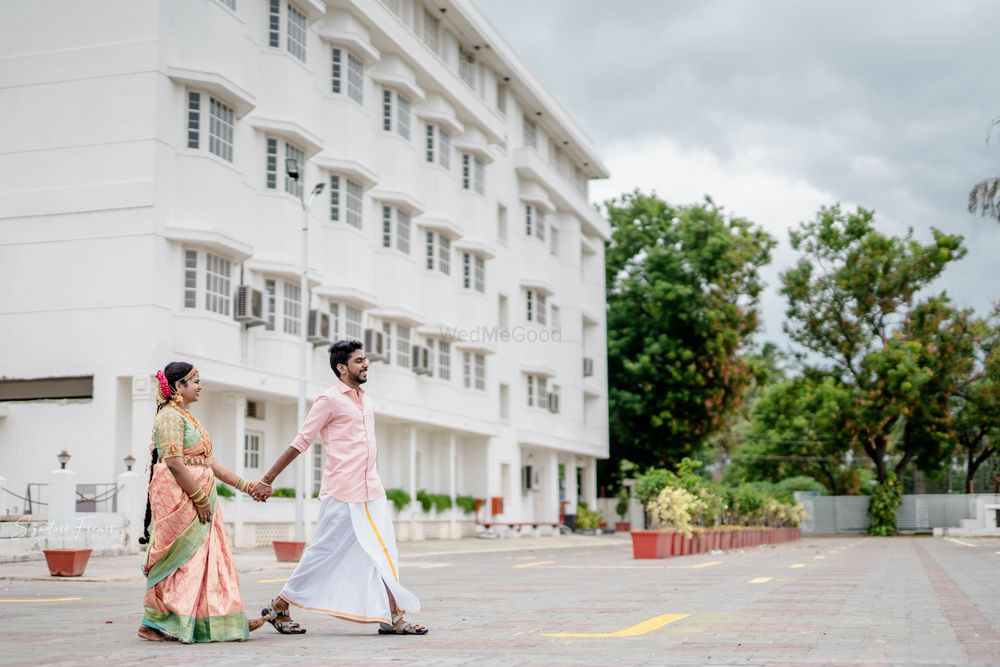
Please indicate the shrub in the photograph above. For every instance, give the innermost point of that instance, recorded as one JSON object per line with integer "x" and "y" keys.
{"x": 283, "y": 492}
{"x": 788, "y": 486}
{"x": 399, "y": 498}
{"x": 882, "y": 509}
{"x": 674, "y": 508}
{"x": 587, "y": 518}
{"x": 649, "y": 484}
{"x": 621, "y": 507}
{"x": 439, "y": 501}
{"x": 466, "y": 503}
{"x": 425, "y": 500}
{"x": 224, "y": 491}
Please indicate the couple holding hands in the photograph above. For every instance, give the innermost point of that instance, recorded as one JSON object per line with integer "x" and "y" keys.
{"x": 349, "y": 570}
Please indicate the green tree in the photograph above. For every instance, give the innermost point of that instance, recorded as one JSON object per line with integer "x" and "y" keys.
{"x": 976, "y": 402}
{"x": 984, "y": 198}
{"x": 682, "y": 297}
{"x": 853, "y": 301}
{"x": 796, "y": 428}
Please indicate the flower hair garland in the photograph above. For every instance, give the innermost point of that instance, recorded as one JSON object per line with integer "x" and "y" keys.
{"x": 164, "y": 385}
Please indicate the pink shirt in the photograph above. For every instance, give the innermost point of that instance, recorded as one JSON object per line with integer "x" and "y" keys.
{"x": 347, "y": 430}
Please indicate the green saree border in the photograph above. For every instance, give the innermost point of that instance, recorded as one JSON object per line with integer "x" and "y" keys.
{"x": 183, "y": 549}
{"x": 189, "y": 630}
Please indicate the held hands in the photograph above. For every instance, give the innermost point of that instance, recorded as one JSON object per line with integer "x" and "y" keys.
{"x": 204, "y": 512}
{"x": 260, "y": 491}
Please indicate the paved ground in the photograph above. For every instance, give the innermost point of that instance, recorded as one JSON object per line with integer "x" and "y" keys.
{"x": 844, "y": 601}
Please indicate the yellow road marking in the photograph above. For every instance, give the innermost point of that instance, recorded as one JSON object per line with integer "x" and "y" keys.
{"x": 797, "y": 565}
{"x": 535, "y": 564}
{"x": 832, "y": 552}
{"x": 648, "y": 625}
{"x": 819, "y": 557}
{"x": 271, "y": 581}
{"x": 38, "y": 599}
{"x": 547, "y": 566}
{"x": 708, "y": 564}
{"x": 761, "y": 580}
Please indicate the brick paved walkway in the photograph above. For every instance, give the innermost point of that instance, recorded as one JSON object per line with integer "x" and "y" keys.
{"x": 843, "y": 601}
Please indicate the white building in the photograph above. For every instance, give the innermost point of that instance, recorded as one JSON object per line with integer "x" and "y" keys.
{"x": 142, "y": 184}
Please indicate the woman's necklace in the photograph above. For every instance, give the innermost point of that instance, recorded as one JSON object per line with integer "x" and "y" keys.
{"x": 197, "y": 424}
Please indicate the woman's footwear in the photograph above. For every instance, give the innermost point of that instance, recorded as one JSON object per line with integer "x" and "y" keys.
{"x": 153, "y": 635}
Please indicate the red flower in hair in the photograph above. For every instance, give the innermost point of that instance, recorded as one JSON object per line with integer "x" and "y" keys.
{"x": 164, "y": 385}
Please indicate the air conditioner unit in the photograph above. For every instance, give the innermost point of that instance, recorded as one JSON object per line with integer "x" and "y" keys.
{"x": 588, "y": 366}
{"x": 319, "y": 328}
{"x": 374, "y": 345}
{"x": 553, "y": 402}
{"x": 531, "y": 478}
{"x": 421, "y": 360}
{"x": 249, "y": 307}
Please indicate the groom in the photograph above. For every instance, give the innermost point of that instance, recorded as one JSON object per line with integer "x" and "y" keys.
{"x": 350, "y": 569}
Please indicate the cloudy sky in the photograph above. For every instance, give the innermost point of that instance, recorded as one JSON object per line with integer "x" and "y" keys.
{"x": 777, "y": 108}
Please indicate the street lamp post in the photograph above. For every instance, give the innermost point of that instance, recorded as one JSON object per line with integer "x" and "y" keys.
{"x": 294, "y": 171}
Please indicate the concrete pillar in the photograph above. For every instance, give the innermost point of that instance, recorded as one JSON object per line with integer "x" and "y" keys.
{"x": 132, "y": 488}
{"x": 590, "y": 483}
{"x": 62, "y": 510}
{"x": 453, "y": 529}
{"x": 551, "y": 487}
{"x": 411, "y": 482}
{"x": 572, "y": 490}
{"x": 143, "y": 412}
{"x": 234, "y": 416}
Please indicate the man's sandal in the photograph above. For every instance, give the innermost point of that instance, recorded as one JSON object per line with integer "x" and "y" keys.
{"x": 400, "y": 626}
{"x": 285, "y": 627}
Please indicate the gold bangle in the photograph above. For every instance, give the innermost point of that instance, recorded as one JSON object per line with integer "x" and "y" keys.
{"x": 242, "y": 485}
{"x": 201, "y": 503}
{"x": 199, "y": 496}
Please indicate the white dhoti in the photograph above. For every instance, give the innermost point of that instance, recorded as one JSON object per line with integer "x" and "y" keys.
{"x": 342, "y": 571}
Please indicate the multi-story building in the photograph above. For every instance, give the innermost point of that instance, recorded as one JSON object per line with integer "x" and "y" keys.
{"x": 146, "y": 215}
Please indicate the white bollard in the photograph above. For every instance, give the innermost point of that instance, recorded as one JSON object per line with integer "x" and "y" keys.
{"x": 62, "y": 510}
{"x": 132, "y": 507}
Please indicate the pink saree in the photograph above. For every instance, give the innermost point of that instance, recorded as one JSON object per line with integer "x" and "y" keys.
{"x": 192, "y": 588}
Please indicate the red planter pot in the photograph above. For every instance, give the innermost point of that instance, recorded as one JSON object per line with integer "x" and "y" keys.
{"x": 623, "y": 527}
{"x": 67, "y": 562}
{"x": 288, "y": 551}
{"x": 647, "y": 544}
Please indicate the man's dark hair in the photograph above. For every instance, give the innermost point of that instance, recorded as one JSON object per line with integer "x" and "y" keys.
{"x": 341, "y": 351}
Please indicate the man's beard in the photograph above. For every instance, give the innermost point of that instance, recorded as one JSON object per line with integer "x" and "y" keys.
{"x": 356, "y": 377}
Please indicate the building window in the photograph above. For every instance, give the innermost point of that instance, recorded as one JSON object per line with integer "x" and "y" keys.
{"x": 430, "y": 143}
{"x": 554, "y": 242}
{"x": 529, "y": 220}
{"x": 401, "y": 229}
{"x": 292, "y": 186}
{"x": 444, "y": 360}
{"x": 334, "y": 320}
{"x": 536, "y": 394}
{"x": 540, "y": 309}
{"x": 190, "y": 279}
{"x": 220, "y": 130}
{"x": 194, "y": 119}
{"x": 352, "y": 322}
{"x": 529, "y": 302}
{"x": 540, "y": 225}
{"x": 346, "y": 201}
{"x": 402, "y": 346}
{"x": 553, "y": 402}
{"x": 554, "y": 315}
{"x": 439, "y": 252}
{"x": 394, "y": 104}
{"x": 318, "y": 462}
{"x": 467, "y": 67}
{"x": 531, "y": 390}
{"x": 355, "y": 83}
{"x": 217, "y": 275}
{"x": 467, "y": 370}
{"x": 480, "y": 274}
{"x": 274, "y": 24}
{"x": 466, "y": 171}
{"x": 432, "y": 32}
{"x": 296, "y": 33}
{"x": 215, "y": 280}
{"x": 292, "y": 300}
{"x": 387, "y": 341}
{"x": 251, "y": 450}
{"x": 444, "y": 149}
{"x": 272, "y": 164}
{"x": 270, "y": 289}
{"x": 220, "y": 126}
{"x": 480, "y": 174}
{"x": 501, "y": 223}
{"x": 502, "y": 98}
{"x": 479, "y": 361}
{"x": 528, "y": 137}
{"x": 467, "y": 270}
{"x": 504, "y": 402}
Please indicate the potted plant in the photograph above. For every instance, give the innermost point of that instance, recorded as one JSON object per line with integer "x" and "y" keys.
{"x": 66, "y": 562}
{"x": 587, "y": 520}
{"x": 621, "y": 509}
{"x": 287, "y": 551}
